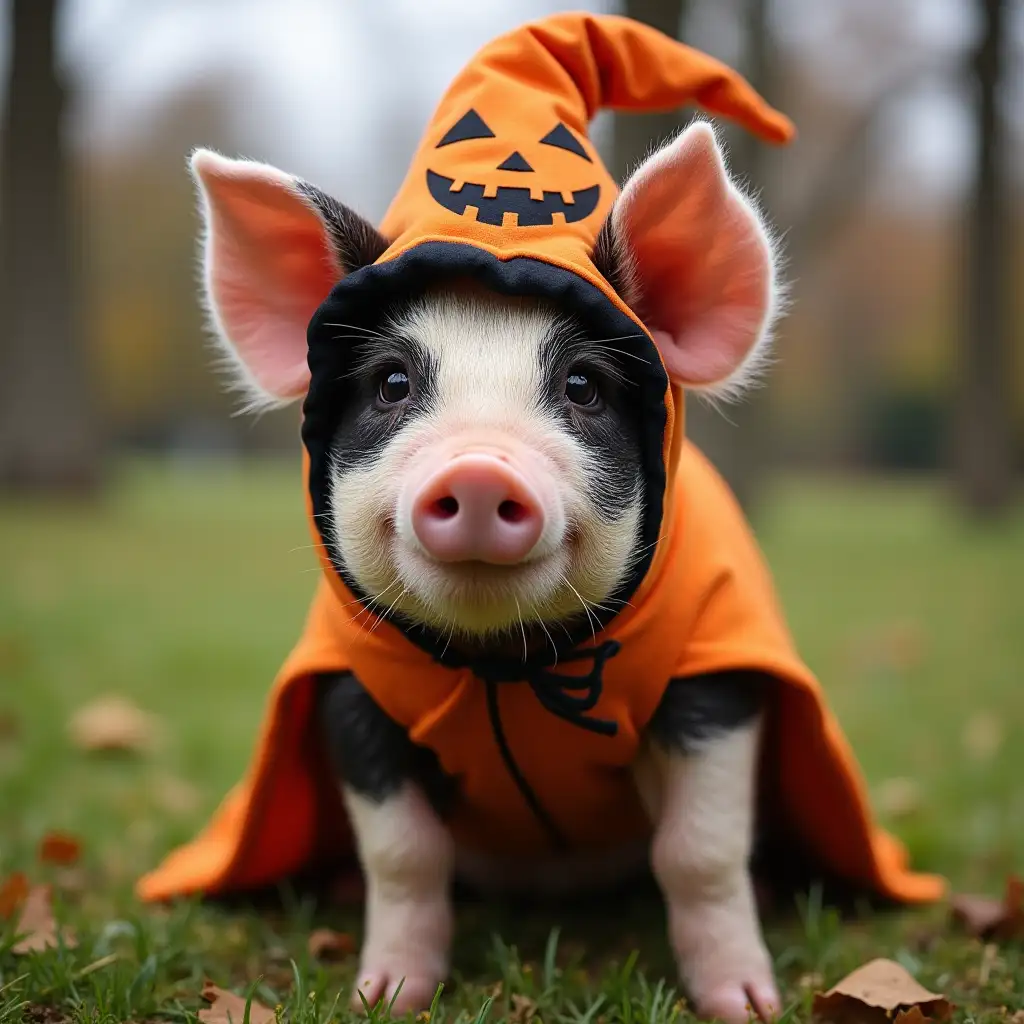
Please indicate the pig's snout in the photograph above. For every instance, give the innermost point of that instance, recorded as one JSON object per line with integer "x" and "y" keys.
{"x": 479, "y": 508}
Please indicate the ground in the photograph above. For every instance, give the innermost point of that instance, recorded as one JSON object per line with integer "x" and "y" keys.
{"x": 183, "y": 589}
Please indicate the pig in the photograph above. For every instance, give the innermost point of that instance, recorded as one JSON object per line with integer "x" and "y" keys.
{"x": 484, "y": 484}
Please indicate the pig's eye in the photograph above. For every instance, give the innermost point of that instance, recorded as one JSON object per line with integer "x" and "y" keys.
{"x": 581, "y": 388}
{"x": 394, "y": 385}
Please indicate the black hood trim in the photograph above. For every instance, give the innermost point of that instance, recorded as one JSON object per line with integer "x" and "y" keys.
{"x": 358, "y": 300}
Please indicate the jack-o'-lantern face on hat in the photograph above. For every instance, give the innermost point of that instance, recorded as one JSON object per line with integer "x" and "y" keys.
{"x": 497, "y": 203}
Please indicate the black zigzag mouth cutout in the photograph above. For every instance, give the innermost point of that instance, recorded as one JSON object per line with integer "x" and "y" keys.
{"x": 530, "y": 212}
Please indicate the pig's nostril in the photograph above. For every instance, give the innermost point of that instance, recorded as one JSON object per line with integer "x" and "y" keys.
{"x": 512, "y": 511}
{"x": 446, "y": 508}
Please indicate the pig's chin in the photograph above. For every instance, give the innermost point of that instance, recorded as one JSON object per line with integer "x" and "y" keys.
{"x": 478, "y": 599}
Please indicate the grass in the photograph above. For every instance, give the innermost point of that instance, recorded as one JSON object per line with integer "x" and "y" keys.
{"x": 183, "y": 590}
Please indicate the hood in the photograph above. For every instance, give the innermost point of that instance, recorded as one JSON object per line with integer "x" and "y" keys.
{"x": 507, "y": 188}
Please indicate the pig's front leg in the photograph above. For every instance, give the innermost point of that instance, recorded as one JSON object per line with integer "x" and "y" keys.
{"x": 404, "y": 848}
{"x": 697, "y": 778}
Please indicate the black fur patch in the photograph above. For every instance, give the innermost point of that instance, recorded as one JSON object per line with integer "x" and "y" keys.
{"x": 356, "y": 242}
{"x": 612, "y": 430}
{"x": 372, "y": 753}
{"x": 364, "y": 425}
{"x": 701, "y": 708}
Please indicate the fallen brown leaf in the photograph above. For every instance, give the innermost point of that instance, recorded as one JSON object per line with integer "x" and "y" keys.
{"x": 524, "y": 1009}
{"x": 37, "y": 926}
{"x": 326, "y": 944}
{"x": 36, "y": 1014}
{"x": 59, "y": 848}
{"x": 227, "y": 1008}
{"x": 911, "y": 1016}
{"x": 13, "y": 893}
{"x": 987, "y": 918}
{"x": 113, "y": 724}
{"x": 878, "y": 992}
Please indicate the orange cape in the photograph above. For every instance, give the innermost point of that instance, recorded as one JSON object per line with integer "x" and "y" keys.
{"x": 700, "y": 601}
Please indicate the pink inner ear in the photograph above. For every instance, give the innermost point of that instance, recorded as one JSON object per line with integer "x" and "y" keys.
{"x": 703, "y": 263}
{"x": 268, "y": 267}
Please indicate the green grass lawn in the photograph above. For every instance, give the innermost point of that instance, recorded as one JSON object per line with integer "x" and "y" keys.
{"x": 183, "y": 590}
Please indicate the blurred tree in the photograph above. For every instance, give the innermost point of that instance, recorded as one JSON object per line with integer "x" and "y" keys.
{"x": 735, "y": 438}
{"x": 983, "y": 450}
{"x": 635, "y": 135}
{"x": 738, "y": 439}
{"x": 830, "y": 193}
{"x": 48, "y": 440}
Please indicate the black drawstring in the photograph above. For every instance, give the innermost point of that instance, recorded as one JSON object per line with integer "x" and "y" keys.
{"x": 568, "y": 697}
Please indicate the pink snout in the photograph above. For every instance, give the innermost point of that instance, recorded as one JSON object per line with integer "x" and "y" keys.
{"x": 477, "y": 508}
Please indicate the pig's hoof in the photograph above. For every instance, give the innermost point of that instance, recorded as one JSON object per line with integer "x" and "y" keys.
{"x": 737, "y": 1003}
{"x": 416, "y": 993}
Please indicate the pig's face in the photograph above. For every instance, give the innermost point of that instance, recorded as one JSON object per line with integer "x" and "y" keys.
{"x": 485, "y": 464}
{"x": 485, "y": 472}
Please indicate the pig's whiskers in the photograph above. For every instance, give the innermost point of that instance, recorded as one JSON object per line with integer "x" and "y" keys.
{"x": 365, "y": 331}
{"x": 594, "y": 624}
{"x": 522, "y": 626}
{"x": 381, "y": 618}
{"x": 451, "y": 633}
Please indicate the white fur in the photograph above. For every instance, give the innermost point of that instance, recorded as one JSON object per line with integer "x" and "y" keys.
{"x": 210, "y": 169}
{"x": 702, "y": 804}
{"x": 407, "y": 857}
{"x": 750, "y": 372}
{"x": 489, "y": 378}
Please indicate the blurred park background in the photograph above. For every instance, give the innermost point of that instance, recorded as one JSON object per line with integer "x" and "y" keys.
{"x": 152, "y": 544}
{"x": 902, "y": 205}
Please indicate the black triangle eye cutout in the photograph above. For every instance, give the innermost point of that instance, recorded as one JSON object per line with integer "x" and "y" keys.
{"x": 470, "y": 126}
{"x": 562, "y": 138}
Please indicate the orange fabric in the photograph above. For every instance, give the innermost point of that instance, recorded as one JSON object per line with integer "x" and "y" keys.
{"x": 706, "y": 603}
{"x": 712, "y": 607}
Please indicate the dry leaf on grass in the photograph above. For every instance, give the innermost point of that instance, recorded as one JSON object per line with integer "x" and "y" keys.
{"x": 113, "y": 724}
{"x": 13, "y": 893}
{"x": 524, "y": 1009}
{"x": 326, "y": 944}
{"x": 227, "y": 1008}
{"x": 36, "y": 925}
{"x": 877, "y": 993}
{"x": 59, "y": 848}
{"x": 988, "y": 918}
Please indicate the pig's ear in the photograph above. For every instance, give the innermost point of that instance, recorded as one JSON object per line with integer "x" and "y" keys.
{"x": 273, "y": 248}
{"x": 690, "y": 254}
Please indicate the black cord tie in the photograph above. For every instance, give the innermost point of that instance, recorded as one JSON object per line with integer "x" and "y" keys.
{"x": 568, "y": 697}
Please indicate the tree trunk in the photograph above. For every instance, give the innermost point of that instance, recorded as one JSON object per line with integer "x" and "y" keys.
{"x": 983, "y": 445}
{"x": 738, "y": 438}
{"x": 48, "y": 439}
{"x": 735, "y": 438}
{"x": 634, "y": 135}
